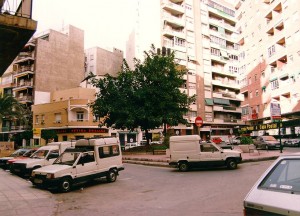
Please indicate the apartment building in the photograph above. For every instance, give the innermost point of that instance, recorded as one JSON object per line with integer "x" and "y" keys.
{"x": 204, "y": 38}
{"x": 269, "y": 58}
{"x": 69, "y": 115}
{"x": 50, "y": 61}
{"x": 100, "y": 62}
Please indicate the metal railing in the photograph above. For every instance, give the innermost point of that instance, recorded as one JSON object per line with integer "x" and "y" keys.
{"x": 22, "y": 8}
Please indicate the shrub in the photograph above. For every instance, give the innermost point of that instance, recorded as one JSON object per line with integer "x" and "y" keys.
{"x": 246, "y": 140}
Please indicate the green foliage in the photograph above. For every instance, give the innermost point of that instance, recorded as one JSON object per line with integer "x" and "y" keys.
{"x": 146, "y": 97}
{"x": 48, "y": 134}
{"x": 9, "y": 107}
{"x": 246, "y": 140}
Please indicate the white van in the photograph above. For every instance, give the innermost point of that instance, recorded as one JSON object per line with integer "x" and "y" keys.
{"x": 188, "y": 151}
{"x": 90, "y": 159}
{"x": 45, "y": 155}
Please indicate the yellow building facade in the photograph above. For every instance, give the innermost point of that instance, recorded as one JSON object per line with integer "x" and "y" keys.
{"x": 68, "y": 113}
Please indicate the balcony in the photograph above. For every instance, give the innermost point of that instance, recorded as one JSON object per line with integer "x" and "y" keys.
{"x": 23, "y": 86}
{"x": 169, "y": 32}
{"x": 25, "y": 99}
{"x": 172, "y": 8}
{"x": 221, "y": 71}
{"x": 174, "y": 21}
{"x": 229, "y": 95}
{"x": 228, "y": 121}
{"x": 24, "y": 71}
{"x": 227, "y": 109}
{"x": 225, "y": 83}
{"x": 174, "y": 46}
{"x": 16, "y": 28}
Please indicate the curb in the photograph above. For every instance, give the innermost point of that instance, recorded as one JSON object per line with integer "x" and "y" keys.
{"x": 163, "y": 163}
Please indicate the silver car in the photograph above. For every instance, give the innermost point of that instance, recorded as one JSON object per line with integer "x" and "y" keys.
{"x": 266, "y": 142}
{"x": 277, "y": 192}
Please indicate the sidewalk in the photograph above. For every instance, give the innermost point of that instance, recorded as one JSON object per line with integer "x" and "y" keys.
{"x": 163, "y": 160}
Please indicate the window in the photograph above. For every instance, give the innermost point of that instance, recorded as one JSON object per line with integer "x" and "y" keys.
{"x": 109, "y": 151}
{"x": 91, "y": 57}
{"x": 271, "y": 50}
{"x": 256, "y": 93}
{"x": 274, "y": 84}
{"x": 250, "y": 94}
{"x": 263, "y": 74}
{"x": 249, "y": 81}
{"x": 57, "y": 117}
{"x": 36, "y": 119}
{"x": 80, "y": 116}
{"x": 255, "y": 77}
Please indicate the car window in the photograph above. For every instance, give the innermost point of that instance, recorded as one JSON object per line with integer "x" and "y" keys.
{"x": 208, "y": 148}
{"x": 285, "y": 176}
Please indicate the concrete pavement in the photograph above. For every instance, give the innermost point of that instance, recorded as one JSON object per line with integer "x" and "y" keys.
{"x": 19, "y": 197}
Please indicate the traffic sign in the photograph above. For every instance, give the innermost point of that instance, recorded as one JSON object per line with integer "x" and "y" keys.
{"x": 198, "y": 121}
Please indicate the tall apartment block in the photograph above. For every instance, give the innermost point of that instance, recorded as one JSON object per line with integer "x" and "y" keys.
{"x": 100, "y": 62}
{"x": 51, "y": 61}
{"x": 269, "y": 34}
{"x": 202, "y": 34}
{"x": 240, "y": 56}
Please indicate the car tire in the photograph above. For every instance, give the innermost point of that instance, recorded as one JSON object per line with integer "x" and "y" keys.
{"x": 65, "y": 184}
{"x": 111, "y": 175}
{"x": 231, "y": 164}
{"x": 183, "y": 166}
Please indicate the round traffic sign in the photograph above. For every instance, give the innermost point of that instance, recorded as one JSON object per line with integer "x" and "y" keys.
{"x": 198, "y": 121}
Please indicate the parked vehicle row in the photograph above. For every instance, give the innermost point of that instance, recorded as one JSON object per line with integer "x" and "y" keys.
{"x": 60, "y": 165}
{"x": 5, "y": 162}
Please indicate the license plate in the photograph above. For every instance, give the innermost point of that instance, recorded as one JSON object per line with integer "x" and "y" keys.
{"x": 38, "y": 181}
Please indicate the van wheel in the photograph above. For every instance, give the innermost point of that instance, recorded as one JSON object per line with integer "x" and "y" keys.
{"x": 112, "y": 175}
{"x": 231, "y": 164}
{"x": 183, "y": 166}
{"x": 65, "y": 184}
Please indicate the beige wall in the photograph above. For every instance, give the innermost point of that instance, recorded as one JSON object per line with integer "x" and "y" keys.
{"x": 60, "y": 60}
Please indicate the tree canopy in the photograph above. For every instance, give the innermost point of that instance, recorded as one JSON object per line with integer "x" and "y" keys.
{"x": 9, "y": 107}
{"x": 147, "y": 96}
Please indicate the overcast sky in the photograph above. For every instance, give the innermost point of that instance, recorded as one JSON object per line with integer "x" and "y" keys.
{"x": 106, "y": 23}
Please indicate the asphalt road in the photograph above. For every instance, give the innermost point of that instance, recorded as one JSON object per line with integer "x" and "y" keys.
{"x": 144, "y": 190}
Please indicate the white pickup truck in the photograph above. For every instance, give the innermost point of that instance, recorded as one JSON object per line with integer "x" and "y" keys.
{"x": 45, "y": 155}
{"x": 188, "y": 151}
{"x": 90, "y": 159}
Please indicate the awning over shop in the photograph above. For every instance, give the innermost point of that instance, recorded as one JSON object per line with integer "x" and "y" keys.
{"x": 209, "y": 102}
{"x": 221, "y": 101}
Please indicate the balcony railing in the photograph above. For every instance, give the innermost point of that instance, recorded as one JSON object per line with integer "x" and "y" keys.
{"x": 175, "y": 8}
{"x": 17, "y": 8}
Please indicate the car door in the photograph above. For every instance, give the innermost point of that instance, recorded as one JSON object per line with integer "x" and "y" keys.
{"x": 86, "y": 166}
{"x": 210, "y": 154}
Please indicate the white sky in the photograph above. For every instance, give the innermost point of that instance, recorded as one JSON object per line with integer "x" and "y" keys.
{"x": 106, "y": 23}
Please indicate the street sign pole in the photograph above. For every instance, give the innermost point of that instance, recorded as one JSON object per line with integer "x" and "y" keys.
{"x": 199, "y": 123}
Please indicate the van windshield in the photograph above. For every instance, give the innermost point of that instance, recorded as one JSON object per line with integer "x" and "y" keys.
{"x": 67, "y": 158}
{"x": 40, "y": 154}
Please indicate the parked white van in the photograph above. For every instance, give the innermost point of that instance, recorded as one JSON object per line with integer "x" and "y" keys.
{"x": 45, "y": 155}
{"x": 90, "y": 159}
{"x": 188, "y": 151}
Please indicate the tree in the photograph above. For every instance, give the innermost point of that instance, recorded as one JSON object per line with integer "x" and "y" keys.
{"x": 9, "y": 107}
{"x": 146, "y": 97}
